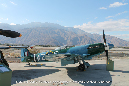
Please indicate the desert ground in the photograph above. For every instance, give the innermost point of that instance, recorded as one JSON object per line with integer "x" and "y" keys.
{"x": 44, "y": 73}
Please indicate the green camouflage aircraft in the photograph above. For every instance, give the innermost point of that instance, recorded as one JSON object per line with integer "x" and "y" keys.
{"x": 69, "y": 55}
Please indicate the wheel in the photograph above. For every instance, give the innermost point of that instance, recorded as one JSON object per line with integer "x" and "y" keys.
{"x": 81, "y": 67}
{"x": 28, "y": 63}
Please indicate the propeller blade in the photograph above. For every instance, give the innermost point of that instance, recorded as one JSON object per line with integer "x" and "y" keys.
{"x": 106, "y": 53}
{"x": 105, "y": 44}
{"x": 9, "y": 33}
{"x": 104, "y": 37}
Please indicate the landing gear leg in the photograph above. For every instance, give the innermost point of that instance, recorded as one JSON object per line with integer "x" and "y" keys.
{"x": 81, "y": 67}
{"x": 83, "y": 64}
{"x": 87, "y": 64}
{"x": 28, "y": 63}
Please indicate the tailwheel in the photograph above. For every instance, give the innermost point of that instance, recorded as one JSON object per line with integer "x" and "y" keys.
{"x": 28, "y": 63}
{"x": 81, "y": 67}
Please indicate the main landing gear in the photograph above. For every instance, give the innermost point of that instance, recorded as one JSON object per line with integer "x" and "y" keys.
{"x": 28, "y": 63}
{"x": 83, "y": 66}
{"x": 82, "y": 63}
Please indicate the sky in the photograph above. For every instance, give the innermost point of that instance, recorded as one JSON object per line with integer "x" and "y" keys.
{"x": 89, "y": 15}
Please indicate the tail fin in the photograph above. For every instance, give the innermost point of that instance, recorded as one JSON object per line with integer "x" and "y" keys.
{"x": 25, "y": 52}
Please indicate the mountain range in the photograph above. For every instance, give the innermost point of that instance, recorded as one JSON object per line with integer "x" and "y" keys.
{"x": 37, "y": 33}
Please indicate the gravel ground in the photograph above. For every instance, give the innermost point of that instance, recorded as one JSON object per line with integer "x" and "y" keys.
{"x": 52, "y": 71}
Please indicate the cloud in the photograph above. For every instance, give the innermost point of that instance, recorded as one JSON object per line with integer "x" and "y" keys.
{"x": 102, "y": 8}
{"x": 13, "y": 3}
{"x": 27, "y": 20}
{"x": 12, "y": 24}
{"x": 109, "y": 17}
{"x": 0, "y": 22}
{"x": 110, "y": 25}
{"x": 7, "y": 19}
{"x": 95, "y": 17}
{"x": 59, "y": 21}
{"x": 121, "y": 13}
{"x": 117, "y": 4}
{"x": 1, "y": 18}
{"x": 116, "y": 14}
{"x": 123, "y": 36}
{"x": 127, "y": 39}
{"x": 4, "y": 5}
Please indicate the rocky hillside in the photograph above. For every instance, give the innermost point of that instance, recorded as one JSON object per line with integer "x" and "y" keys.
{"x": 54, "y": 34}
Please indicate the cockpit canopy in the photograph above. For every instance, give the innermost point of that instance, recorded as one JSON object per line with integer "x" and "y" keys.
{"x": 62, "y": 47}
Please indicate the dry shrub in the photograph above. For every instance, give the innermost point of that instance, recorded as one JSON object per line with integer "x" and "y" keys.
{"x": 12, "y": 54}
{"x": 17, "y": 55}
{"x": 34, "y": 51}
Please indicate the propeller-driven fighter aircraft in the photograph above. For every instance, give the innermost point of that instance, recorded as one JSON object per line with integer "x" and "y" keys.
{"x": 69, "y": 55}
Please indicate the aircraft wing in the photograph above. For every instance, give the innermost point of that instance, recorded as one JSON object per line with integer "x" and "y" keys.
{"x": 69, "y": 59}
{"x": 4, "y": 47}
{"x": 13, "y": 47}
{"x": 18, "y": 46}
{"x": 72, "y": 58}
{"x": 66, "y": 58}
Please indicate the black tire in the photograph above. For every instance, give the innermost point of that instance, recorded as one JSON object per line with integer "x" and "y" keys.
{"x": 81, "y": 67}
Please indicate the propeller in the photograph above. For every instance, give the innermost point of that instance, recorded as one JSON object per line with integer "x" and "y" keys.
{"x": 12, "y": 34}
{"x": 105, "y": 45}
{"x": 9, "y": 33}
{"x": 104, "y": 37}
